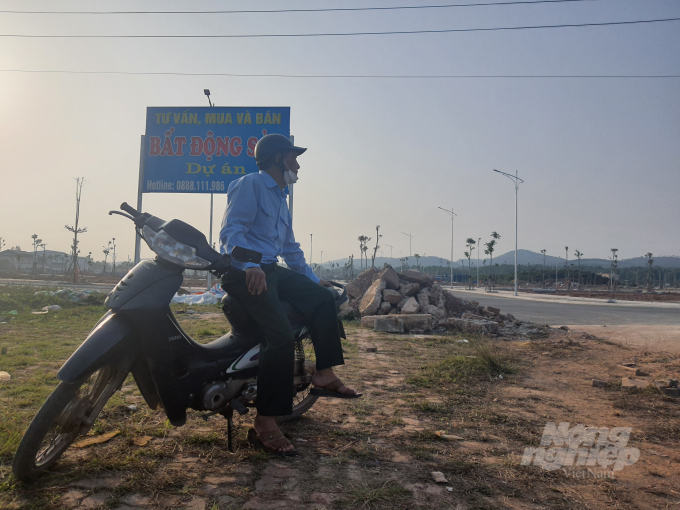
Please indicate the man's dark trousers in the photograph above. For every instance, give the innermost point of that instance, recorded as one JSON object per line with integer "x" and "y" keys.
{"x": 277, "y": 354}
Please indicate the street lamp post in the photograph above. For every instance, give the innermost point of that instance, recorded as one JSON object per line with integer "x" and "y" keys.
{"x": 410, "y": 238}
{"x": 478, "y": 250}
{"x": 517, "y": 182}
{"x": 452, "y": 214}
{"x": 390, "y": 247}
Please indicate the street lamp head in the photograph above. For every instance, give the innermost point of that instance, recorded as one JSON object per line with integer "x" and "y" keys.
{"x": 206, "y": 92}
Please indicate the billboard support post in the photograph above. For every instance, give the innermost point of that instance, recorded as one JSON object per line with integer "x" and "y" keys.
{"x": 140, "y": 187}
{"x": 291, "y": 188}
{"x": 210, "y": 237}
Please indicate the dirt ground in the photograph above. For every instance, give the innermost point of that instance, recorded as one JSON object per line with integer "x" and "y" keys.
{"x": 379, "y": 451}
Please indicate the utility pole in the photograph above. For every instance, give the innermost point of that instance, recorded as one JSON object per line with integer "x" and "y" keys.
{"x": 410, "y": 238}
{"x": 517, "y": 181}
{"x": 452, "y": 214}
{"x": 311, "y": 248}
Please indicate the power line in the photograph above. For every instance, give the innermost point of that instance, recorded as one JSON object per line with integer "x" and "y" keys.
{"x": 339, "y": 34}
{"x": 359, "y": 76}
{"x": 278, "y": 11}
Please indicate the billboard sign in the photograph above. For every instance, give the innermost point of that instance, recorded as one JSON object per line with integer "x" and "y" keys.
{"x": 201, "y": 150}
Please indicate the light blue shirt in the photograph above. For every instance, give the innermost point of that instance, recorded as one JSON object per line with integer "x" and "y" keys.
{"x": 257, "y": 218}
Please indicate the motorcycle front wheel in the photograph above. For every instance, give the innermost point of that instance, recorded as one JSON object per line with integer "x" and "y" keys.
{"x": 70, "y": 411}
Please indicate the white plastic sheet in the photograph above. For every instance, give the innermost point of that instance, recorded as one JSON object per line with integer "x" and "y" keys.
{"x": 210, "y": 297}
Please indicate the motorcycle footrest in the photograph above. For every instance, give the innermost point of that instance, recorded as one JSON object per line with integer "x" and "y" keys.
{"x": 238, "y": 407}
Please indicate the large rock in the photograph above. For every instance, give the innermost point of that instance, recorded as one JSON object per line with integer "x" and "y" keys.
{"x": 372, "y": 298}
{"x": 436, "y": 312}
{"x": 402, "y": 302}
{"x": 411, "y": 306}
{"x": 365, "y": 279}
{"x": 391, "y": 296}
{"x": 385, "y": 308}
{"x": 475, "y": 327}
{"x": 369, "y": 321}
{"x": 437, "y": 296}
{"x": 420, "y": 321}
{"x": 415, "y": 277}
{"x": 353, "y": 290}
{"x": 423, "y": 298}
{"x": 390, "y": 276}
{"x": 409, "y": 289}
{"x": 391, "y": 324}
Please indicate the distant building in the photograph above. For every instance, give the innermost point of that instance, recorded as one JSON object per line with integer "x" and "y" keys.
{"x": 49, "y": 261}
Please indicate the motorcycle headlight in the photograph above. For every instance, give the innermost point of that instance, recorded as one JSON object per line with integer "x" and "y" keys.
{"x": 173, "y": 251}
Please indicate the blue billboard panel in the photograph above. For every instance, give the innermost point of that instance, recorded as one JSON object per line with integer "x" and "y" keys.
{"x": 201, "y": 150}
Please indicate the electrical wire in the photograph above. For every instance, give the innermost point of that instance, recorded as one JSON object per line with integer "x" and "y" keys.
{"x": 279, "y": 11}
{"x": 356, "y": 76}
{"x": 339, "y": 34}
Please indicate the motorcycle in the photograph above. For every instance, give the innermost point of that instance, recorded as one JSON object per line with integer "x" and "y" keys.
{"x": 140, "y": 335}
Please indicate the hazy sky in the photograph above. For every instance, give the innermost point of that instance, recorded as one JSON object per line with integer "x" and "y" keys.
{"x": 601, "y": 157}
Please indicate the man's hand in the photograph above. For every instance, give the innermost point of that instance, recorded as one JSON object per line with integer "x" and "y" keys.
{"x": 324, "y": 283}
{"x": 256, "y": 280}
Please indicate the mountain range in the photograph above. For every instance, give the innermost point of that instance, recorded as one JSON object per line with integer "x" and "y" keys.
{"x": 523, "y": 257}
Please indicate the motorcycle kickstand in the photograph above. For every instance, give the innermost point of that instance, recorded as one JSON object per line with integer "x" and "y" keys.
{"x": 229, "y": 415}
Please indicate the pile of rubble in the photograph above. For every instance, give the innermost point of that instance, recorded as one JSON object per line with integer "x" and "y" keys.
{"x": 412, "y": 301}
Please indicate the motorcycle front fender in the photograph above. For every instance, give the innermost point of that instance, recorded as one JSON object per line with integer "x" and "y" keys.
{"x": 109, "y": 341}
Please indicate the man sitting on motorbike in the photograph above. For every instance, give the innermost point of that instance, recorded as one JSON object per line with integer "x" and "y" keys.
{"x": 257, "y": 218}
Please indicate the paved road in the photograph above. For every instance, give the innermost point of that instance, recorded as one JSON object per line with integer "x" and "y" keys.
{"x": 558, "y": 313}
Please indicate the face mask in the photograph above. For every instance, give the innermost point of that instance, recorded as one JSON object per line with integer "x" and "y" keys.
{"x": 289, "y": 177}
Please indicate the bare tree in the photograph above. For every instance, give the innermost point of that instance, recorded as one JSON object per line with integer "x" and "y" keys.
{"x": 76, "y": 230}
{"x": 375, "y": 250}
{"x": 566, "y": 267}
{"x": 490, "y": 247}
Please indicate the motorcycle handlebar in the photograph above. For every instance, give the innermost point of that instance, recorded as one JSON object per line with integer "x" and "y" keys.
{"x": 130, "y": 210}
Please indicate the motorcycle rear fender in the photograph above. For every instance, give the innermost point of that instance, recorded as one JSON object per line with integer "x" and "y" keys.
{"x": 108, "y": 341}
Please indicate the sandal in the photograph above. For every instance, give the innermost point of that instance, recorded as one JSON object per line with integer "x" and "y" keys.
{"x": 275, "y": 439}
{"x": 331, "y": 390}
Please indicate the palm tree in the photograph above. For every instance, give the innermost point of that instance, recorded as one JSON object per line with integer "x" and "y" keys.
{"x": 470, "y": 243}
{"x": 417, "y": 261}
{"x": 362, "y": 240}
{"x": 543, "y": 272}
{"x": 490, "y": 249}
{"x": 578, "y": 256}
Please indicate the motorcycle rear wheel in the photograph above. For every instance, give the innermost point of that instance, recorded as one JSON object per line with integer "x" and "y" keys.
{"x": 70, "y": 411}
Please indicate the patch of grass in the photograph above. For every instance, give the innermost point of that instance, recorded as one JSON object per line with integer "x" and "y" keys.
{"x": 484, "y": 360}
{"x": 373, "y": 495}
{"x": 429, "y": 407}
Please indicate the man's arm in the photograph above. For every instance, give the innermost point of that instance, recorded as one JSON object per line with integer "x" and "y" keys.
{"x": 238, "y": 218}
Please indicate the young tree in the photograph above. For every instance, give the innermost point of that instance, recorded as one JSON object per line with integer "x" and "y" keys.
{"x": 36, "y": 243}
{"x": 106, "y": 251}
{"x": 417, "y": 261}
{"x": 490, "y": 247}
{"x": 566, "y": 267}
{"x": 650, "y": 262}
{"x": 578, "y": 256}
{"x": 375, "y": 250}
{"x": 543, "y": 272}
{"x": 76, "y": 230}
{"x": 470, "y": 243}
